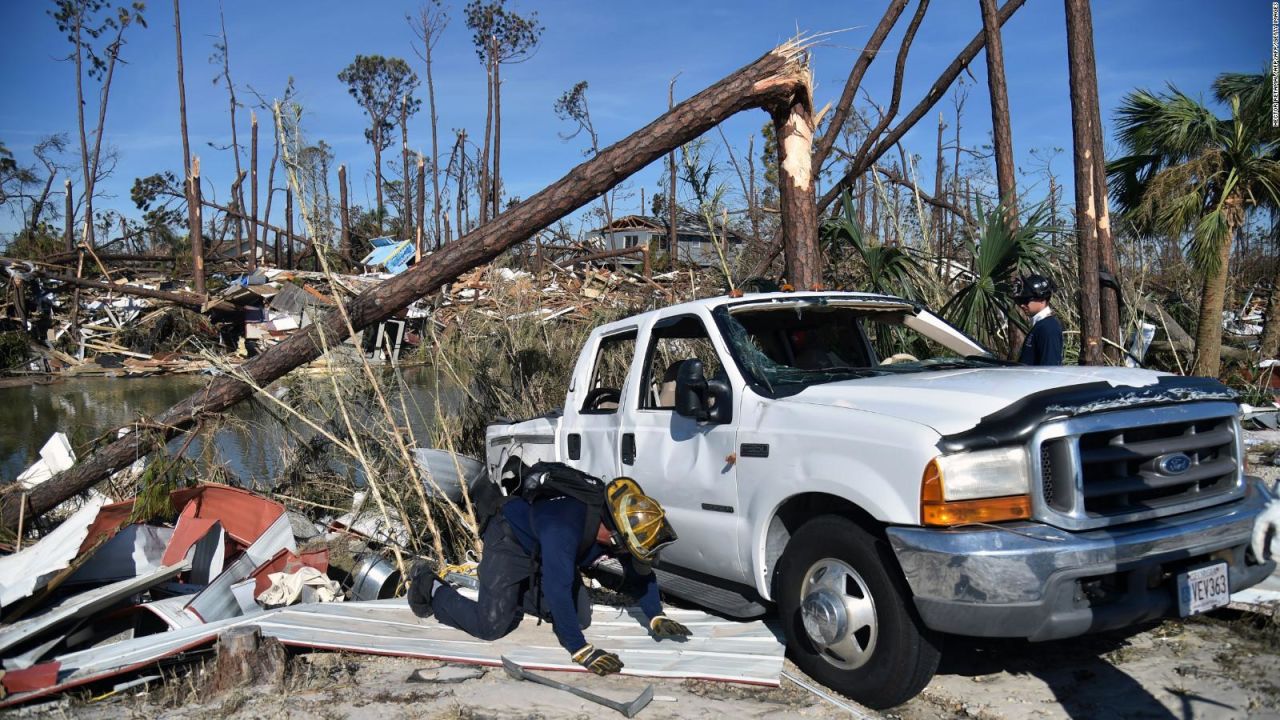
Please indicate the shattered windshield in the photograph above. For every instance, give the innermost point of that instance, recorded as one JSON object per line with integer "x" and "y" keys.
{"x": 811, "y": 343}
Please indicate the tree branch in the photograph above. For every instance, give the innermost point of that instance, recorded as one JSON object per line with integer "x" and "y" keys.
{"x": 930, "y": 99}
{"x": 869, "y": 52}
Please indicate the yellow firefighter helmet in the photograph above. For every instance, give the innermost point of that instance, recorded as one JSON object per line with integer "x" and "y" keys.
{"x": 640, "y": 521}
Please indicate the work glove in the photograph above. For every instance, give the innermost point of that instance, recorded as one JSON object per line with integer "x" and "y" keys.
{"x": 664, "y": 627}
{"x": 1266, "y": 531}
{"x": 600, "y": 662}
{"x": 422, "y": 578}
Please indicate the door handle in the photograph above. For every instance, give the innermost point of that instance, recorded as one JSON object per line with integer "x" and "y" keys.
{"x": 628, "y": 448}
{"x": 575, "y": 446}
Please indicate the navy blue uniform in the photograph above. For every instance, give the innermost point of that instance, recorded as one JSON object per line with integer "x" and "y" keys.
{"x": 1044, "y": 343}
{"x": 552, "y": 528}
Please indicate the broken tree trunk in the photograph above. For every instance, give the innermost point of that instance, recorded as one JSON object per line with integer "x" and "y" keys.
{"x": 253, "y": 189}
{"x": 185, "y": 299}
{"x": 1001, "y": 134}
{"x": 288, "y": 227}
{"x": 793, "y": 126}
{"x": 246, "y": 658}
{"x": 344, "y": 214}
{"x": 1109, "y": 297}
{"x": 69, "y": 218}
{"x": 1086, "y": 218}
{"x": 420, "y": 229}
{"x": 773, "y": 81}
{"x": 197, "y": 225}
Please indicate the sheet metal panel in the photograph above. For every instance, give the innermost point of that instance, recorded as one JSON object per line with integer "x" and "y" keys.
{"x": 217, "y": 602}
{"x": 30, "y": 569}
{"x": 83, "y": 605}
{"x": 720, "y": 649}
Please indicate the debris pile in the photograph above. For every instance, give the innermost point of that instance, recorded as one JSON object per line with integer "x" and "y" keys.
{"x": 119, "y": 588}
{"x": 106, "y": 589}
{"x": 133, "y": 322}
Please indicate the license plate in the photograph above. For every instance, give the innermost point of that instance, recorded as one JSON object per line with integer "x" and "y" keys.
{"x": 1202, "y": 589}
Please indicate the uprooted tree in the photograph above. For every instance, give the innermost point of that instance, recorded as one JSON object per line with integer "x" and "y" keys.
{"x": 779, "y": 82}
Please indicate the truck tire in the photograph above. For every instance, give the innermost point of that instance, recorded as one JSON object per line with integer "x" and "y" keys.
{"x": 848, "y": 616}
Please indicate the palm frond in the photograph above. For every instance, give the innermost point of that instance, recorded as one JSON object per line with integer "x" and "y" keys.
{"x": 890, "y": 270}
{"x": 1001, "y": 253}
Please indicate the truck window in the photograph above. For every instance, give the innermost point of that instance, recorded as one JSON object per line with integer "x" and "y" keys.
{"x": 613, "y": 360}
{"x": 672, "y": 342}
{"x": 804, "y": 344}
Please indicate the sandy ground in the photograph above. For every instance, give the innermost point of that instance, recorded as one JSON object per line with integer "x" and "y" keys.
{"x": 1222, "y": 665}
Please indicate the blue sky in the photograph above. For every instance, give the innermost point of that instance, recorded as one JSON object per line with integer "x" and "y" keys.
{"x": 627, "y": 51}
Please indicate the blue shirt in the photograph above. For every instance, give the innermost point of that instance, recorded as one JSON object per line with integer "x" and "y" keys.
{"x": 555, "y": 526}
{"x": 1044, "y": 343}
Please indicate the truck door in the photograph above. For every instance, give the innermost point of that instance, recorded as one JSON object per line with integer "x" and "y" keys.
{"x": 688, "y": 467}
{"x": 591, "y": 415}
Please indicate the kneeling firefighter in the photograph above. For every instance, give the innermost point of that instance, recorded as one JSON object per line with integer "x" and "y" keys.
{"x": 535, "y": 544}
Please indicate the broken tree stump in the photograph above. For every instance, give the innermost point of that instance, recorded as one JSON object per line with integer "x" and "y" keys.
{"x": 246, "y": 658}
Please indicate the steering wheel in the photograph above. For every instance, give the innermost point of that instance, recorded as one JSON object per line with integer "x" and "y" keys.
{"x": 601, "y": 395}
{"x": 899, "y": 358}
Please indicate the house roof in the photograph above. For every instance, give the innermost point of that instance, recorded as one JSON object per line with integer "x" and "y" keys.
{"x": 390, "y": 252}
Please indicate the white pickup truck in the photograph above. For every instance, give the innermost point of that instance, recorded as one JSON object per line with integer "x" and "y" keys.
{"x": 882, "y": 480}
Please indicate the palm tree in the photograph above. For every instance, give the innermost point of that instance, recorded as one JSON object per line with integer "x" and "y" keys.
{"x": 890, "y": 270}
{"x": 1190, "y": 173}
{"x": 1002, "y": 250}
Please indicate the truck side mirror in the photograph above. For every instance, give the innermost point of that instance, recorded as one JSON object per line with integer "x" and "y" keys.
{"x": 701, "y": 399}
{"x": 691, "y": 387}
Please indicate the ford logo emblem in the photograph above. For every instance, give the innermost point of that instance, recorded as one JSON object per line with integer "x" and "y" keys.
{"x": 1173, "y": 463}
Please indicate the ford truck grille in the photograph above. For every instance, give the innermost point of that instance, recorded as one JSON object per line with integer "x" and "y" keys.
{"x": 1116, "y": 467}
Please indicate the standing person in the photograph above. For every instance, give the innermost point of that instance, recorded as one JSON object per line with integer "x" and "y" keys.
{"x": 1044, "y": 343}
{"x": 534, "y": 547}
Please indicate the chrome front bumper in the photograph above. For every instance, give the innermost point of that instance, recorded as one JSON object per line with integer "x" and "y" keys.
{"x": 1040, "y": 582}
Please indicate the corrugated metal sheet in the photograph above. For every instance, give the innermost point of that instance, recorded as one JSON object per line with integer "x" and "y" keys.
{"x": 30, "y": 569}
{"x": 719, "y": 649}
{"x": 217, "y": 601}
{"x": 83, "y": 605}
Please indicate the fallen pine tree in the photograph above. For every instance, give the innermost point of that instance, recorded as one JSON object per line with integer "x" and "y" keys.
{"x": 779, "y": 82}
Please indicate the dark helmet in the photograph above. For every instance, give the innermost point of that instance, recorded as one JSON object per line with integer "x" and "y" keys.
{"x": 1032, "y": 287}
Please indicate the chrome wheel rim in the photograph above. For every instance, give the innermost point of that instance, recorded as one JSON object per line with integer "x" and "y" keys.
{"x": 838, "y": 613}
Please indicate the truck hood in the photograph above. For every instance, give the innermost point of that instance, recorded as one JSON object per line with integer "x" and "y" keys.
{"x": 952, "y": 401}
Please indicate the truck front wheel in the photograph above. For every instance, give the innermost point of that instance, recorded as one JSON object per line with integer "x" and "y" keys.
{"x": 847, "y": 615}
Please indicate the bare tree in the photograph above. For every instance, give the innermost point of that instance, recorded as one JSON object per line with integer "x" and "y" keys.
{"x": 81, "y": 21}
{"x": 1109, "y": 292}
{"x": 868, "y": 54}
{"x": 673, "y": 237}
{"x": 932, "y": 96}
{"x": 267, "y": 105}
{"x": 406, "y": 208}
{"x": 192, "y": 211}
{"x": 47, "y": 152}
{"x": 429, "y": 25}
{"x": 501, "y": 37}
{"x": 1001, "y": 134}
{"x": 572, "y": 106}
{"x": 939, "y": 171}
{"x": 379, "y": 85}
{"x": 222, "y": 56}
{"x": 1079, "y": 59}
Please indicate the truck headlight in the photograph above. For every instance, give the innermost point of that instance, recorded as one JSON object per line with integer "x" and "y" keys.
{"x": 974, "y": 487}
